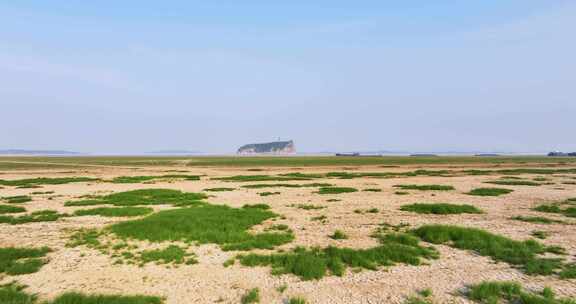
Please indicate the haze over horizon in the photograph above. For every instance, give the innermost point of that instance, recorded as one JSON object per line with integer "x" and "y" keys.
{"x": 140, "y": 76}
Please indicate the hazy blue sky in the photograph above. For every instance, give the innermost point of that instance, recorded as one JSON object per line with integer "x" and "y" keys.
{"x": 131, "y": 76}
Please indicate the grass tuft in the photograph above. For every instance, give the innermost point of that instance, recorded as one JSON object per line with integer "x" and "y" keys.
{"x": 489, "y": 191}
{"x": 339, "y": 235}
{"x": 440, "y": 208}
{"x": 425, "y": 187}
{"x": 221, "y": 189}
{"x": 252, "y": 296}
{"x": 336, "y": 190}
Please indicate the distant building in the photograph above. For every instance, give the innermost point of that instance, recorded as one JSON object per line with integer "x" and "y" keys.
{"x": 276, "y": 147}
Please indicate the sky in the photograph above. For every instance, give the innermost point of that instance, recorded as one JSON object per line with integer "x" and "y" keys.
{"x": 134, "y": 76}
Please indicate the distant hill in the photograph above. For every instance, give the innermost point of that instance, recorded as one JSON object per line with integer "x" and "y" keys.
{"x": 36, "y": 152}
{"x": 276, "y": 147}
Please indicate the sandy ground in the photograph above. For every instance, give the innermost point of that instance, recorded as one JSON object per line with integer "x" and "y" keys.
{"x": 87, "y": 270}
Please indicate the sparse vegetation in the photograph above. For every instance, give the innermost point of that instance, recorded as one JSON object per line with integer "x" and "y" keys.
{"x": 115, "y": 212}
{"x": 425, "y": 187}
{"x": 511, "y": 292}
{"x": 372, "y": 190}
{"x": 440, "y": 208}
{"x": 489, "y": 191}
{"x": 539, "y": 234}
{"x": 307, "y": 206}
{"x": 36, "y": 216}
{"x": 520, "y": 253}
{"x": 171, "y": 254}
{"x": 569, "y": 210}
{"x": 45, "y": 181}
{"x": 315, "y": 263}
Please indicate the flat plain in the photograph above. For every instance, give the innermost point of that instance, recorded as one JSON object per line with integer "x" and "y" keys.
{"x": 287, "y": 229}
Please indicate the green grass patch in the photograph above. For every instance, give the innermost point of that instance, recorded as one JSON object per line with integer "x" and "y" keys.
{"x": 312, "y": 185}
{"x": 115, "y": 212}
{"x": 425, "y": 187}
{"x": 15, "y": 294}
{"x": 372, "y": 190}
{"x": 220, "y": 189}
{"x": 569, "y": 272}
{"x": 257, "y": 206}
{"x": 37, "y": 216}
{"x": 315, "y": 263}
{"x": 169, "y": 255}
{"x": 45, "y": 181}
{"x": 512, "y": 292}
{"x": 265, "y": 178}
{"x": 524, "y": 254}
{"x": 336, "y": 190}
{"x": 19, "y": 199}
{"x": 513, "y": 183}
{"x": 4, "y": 209}
{"x": 297, "y": 300}
{"x": 79, "y": 298}
{"x": 252, "y": 296}
{"x": 205, "y": 223}
{"x": 141, "y": 179}
{"x": 489, "y": 191}
{"x": 565, "y": 208}
{"x": 16, "y": 261}
{"x": 268, "y": 193}
{"x": 440, "y": 208}
{"x": 537, "y": 220}
{"x": 144, "y": 197}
